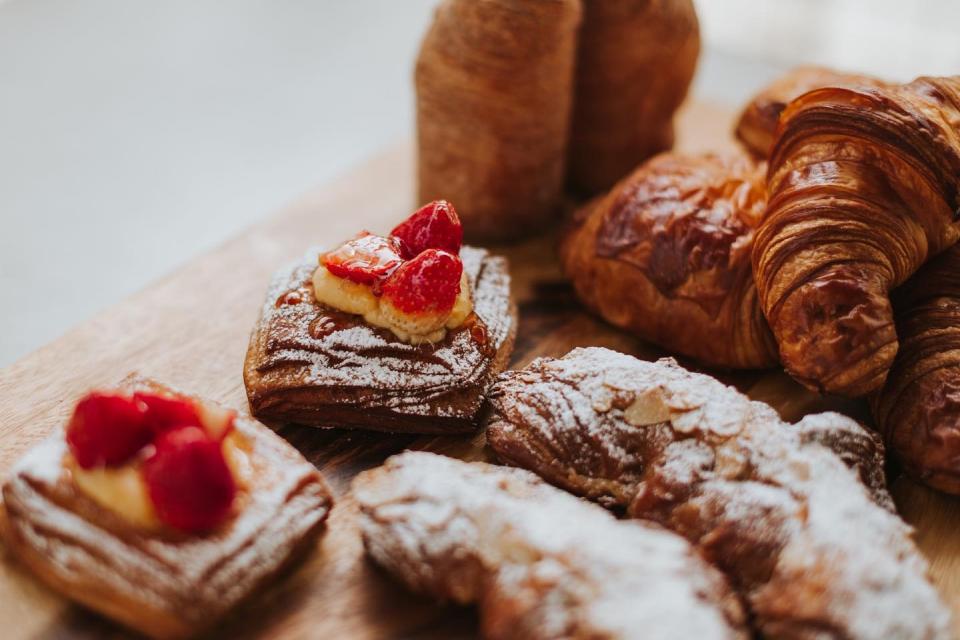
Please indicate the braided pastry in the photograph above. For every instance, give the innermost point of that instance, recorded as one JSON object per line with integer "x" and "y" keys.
{"x": 666, "y": 255}
{"x": 863, "y": 187}
{"x": 813, "y": 550}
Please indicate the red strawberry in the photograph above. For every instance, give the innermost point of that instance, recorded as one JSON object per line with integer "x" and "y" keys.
{"x": 189, "y": 481}
{"x": 428, "y": 283}
{"x": 107, "y": 429}
{"x": 167, "y": 412}
{"x": 365, "y": 259}
{"x": 433, "y": 226}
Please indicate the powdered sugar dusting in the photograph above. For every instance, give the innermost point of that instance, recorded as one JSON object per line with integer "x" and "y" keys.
{"x": 812, "y": 549}
{"x": 543, "y": 563}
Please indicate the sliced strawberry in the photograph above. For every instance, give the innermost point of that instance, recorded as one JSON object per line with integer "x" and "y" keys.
{"x": 428, "y": 283}
{"x": 107, "y": 430}
{"x": 189, "y": 481}
{"x": 216, "y": 420}
{"x": 432, "y": 226}
{"x": 365, "y": 259}
{"x": 168, "y": 412}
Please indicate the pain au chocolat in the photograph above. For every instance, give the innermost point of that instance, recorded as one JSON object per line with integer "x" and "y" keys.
{"x": 161, "y": 511}
{"x": 402, "y": 333}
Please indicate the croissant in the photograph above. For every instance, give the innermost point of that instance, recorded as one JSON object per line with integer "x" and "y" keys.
{"x": 666, "y": 255}
{"x": 918, "y": 409}
{"x": 757, "y": 125}
{"x": 540, "y": 563}
{"x": 863, "y": 187}
{"x": 494, "y": 84}
{"x": 785, "y": 511}
{"x": 635, "y": 61}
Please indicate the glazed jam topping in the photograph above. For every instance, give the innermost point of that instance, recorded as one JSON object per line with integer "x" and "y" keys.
{"x": 157, "y": 460}
{"x": 410, "y": 282}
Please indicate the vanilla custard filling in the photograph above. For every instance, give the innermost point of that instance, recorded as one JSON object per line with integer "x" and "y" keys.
{"x": 123, "y": 490}
{"x": 415, "y": 328}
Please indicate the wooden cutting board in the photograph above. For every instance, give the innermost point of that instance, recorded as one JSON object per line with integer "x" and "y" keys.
{"x": 190, "y": 330}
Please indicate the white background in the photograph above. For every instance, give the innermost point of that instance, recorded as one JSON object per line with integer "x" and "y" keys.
{"x": 135, "y": 135}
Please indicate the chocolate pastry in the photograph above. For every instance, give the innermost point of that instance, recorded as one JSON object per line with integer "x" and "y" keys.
{"x": 799, "y": 534}
{"x": 538, "y": 562}
{"x": 666, "y": 255}
{"x": 164, "y": 583}
{"x": 918, "y": 409}
{"x": 757, "y": 126}
{"x": 313, "y": 365}
{"x": 863, "y": 188}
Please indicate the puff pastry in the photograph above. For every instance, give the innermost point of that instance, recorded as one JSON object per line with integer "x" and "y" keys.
{"x": 163, "y": 584}
{"x": 666, "y": 255}
{"x": 539, "y": 562}
{"x": 863, "y": 187}
{"x": 312, "y": 365}
{"x": 813, "y": 550}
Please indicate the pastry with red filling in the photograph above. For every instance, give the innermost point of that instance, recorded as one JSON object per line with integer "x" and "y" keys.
{"x": 400, "y": 333}
{"x": 159, "y": 510}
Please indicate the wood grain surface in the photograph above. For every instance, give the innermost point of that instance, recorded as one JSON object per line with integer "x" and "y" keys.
{"x": 190, "y": 330}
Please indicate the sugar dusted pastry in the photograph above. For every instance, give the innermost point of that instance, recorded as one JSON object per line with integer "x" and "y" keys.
{"x": 159, "y": 510}
{"x": 539, "y": 562}
{"x": 391, "y": 333}
{"x": 813, "y": 550}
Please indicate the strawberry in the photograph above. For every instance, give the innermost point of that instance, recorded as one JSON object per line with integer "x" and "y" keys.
{"x": 168, "y": 412}
{"x": 366, "y": 259}
{"x": 107, "y": 430}
{"x": 427, "y": 284}
{"x": 433, "y": 226}
{"x": 189, "y": 481}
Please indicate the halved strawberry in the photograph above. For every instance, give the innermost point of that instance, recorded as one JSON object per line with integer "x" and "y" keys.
{"x": 168, "y": 412}
{"x": 432, "y": 226}
{"x": 107, "y": 430}
{"x": 365, "y": 259}
{"x": 427, "y": 284}
{"x": 189, "y": 481}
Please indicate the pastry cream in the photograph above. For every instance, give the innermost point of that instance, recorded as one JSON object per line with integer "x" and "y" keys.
{"x": 359, "y": 299}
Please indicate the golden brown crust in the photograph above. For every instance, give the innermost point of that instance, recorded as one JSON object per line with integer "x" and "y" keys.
{"x": 494, "y": 84}
{"x": 863, "y": 187}
{"x": 163, "y": 584}
{"x": 762, "y": 499}
{"x": 918, "y": 409}
{"x": 757, "y": 125}
{"x": 539, "y": 562}
{"x": 666, "y": 255}
{"x": 635, "y": 61}
{"x": 312, "y": 365}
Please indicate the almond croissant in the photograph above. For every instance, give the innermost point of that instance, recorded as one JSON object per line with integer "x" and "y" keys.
{"x": 814, "y": 550}
{"x": 918, "y": 409}
{"x": 539, "y": 562}
{"x": 666, "y": 255}
{"x": 757, "y": 125}
{"x": 863, "y": 187}
{"x": 635, "y": 61}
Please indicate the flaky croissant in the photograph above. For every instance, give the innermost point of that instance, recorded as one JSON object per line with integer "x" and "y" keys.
{"x": 808, "y": 537}
{"x": 494, "y": 81}
{"x": 666, "y": 255}
{"x": 635, "y": 61}
{"x": 757, "y": 125}
{"x": 863, "y": 187}
{"x": 918, "y": 409}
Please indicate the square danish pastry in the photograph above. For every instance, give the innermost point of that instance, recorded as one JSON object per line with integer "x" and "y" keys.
{"x": 399, "y": 333}
{"x": 160, "y": 510}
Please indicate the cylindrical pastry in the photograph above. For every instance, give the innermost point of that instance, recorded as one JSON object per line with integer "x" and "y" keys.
{"x": 635, "y": 61}
{"x": 863, "y": 187}
{"x": 918, "y": 410}
{"x": 666, "y": 255}
{"x": 757, "y": 125}
{"x": 494, "y": 83}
